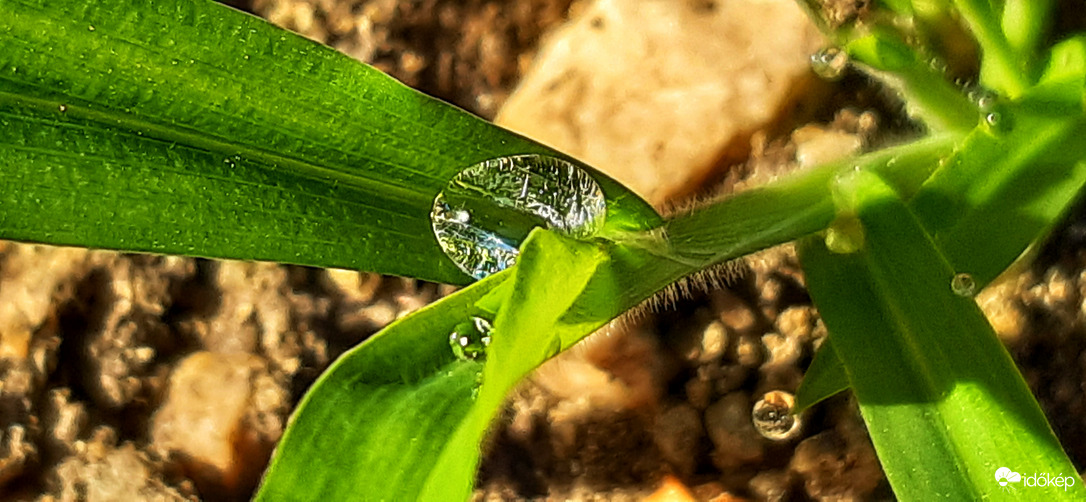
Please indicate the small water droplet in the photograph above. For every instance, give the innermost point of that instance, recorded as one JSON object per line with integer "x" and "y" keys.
{"x": 63, "y": 108}
{"x": 845, "y": 235}
{"x": 993, "y": 119}
{"x": 938, "y": 64}
{"x": 985, "y": 100}
{"x": 470, "y": 339}
{"x": 90, "y": 28}
{"x": 487, "y": 209}
{"x": 829, "y": 63}
{"x": 963, "y": 285}
{"x": 773, "y": 418}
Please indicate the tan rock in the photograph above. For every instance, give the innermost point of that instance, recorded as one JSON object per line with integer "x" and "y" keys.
{"x": 657, "y": 92}
{"x": 207, "y": 421}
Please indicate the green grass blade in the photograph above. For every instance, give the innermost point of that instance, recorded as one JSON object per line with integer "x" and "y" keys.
{"x": 1001, "y": 191}
{"x": 794, "y": 207}
{"x": 825, "y": 377}
{"x": 944, "y": 403}
{"x": 373, "y": 426}
{"x": 401, "y": 415}
{"x": 1002, "y": 68}
{"x": 1025, "y": 23}
{"x": 550, "y": 276}
{"x": 186, "y": 127}
{"x": 560, "y": 291}
{"x": 927, "y": 93}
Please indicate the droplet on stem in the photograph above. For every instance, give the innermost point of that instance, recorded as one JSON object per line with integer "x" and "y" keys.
{"x": 773, "y": 418}
{"x": 470, "y": 339}
{"x": 488, "y": 209}
{"x": 963, "y": 285}
{"x": 829, "y": 63}
{"x": 845, "y": 235}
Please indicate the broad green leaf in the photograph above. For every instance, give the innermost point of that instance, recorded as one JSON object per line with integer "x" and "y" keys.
{"x": 944, "y": 403}
{"x": 186, "y": 127}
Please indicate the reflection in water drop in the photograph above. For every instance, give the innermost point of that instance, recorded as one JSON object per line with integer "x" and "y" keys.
{"x": 773, "y": 418}
{"x": 487, "y": 210}
{"x": 963, "y": 285}
{"x": 470, "y": 339}
{"x": 63, "y": 108}
{"x": 829, "y": 63}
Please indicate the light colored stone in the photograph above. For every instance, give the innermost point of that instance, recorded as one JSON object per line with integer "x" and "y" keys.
{"x": 657, "y": 92}
{"x": 820, "y": 145}
{"x": 32, "y": 276}
{"x": 204, "y": 421}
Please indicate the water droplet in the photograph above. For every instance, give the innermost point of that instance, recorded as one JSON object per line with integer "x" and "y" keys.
{"x": 63, "y": 108}
{"x": 938, "y": 64}
{"x": 829, "y": 63}
{"x": 993, "y": 119}
{"x": 985, "y": 100}
{"x": 963, "y": 285}
{"x": 773, "y": 418}
{"x": 845, "y": 235}
{"x": 470, "y": 339}
{"x": 90, "y": 28}
{"x": 487, "y": 210}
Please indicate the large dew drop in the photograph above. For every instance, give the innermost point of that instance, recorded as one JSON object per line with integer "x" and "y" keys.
{"x": 487, "y": 210}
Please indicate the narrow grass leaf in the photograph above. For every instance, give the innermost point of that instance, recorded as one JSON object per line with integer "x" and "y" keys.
{"x": 824, "y": 378}
{"x": 186, "y": 127}
{"x": 1003, "y": 190}
{"x": 944, "y": 404}
{"x": 376, "y": 422}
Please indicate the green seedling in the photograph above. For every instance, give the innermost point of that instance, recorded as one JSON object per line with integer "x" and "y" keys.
{"x": 185, "y": 127}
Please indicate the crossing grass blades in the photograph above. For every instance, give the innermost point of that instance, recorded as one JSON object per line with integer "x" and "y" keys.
{"x": 185, "y": 127}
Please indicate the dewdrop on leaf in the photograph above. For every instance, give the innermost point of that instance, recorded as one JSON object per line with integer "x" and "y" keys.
{"x": 470, "y": 339}
{"x": 488, "y": 209}
{"x": 963, "y": 285}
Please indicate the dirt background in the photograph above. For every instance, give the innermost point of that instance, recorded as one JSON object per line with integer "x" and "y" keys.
{"x": 134, "y": 377}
